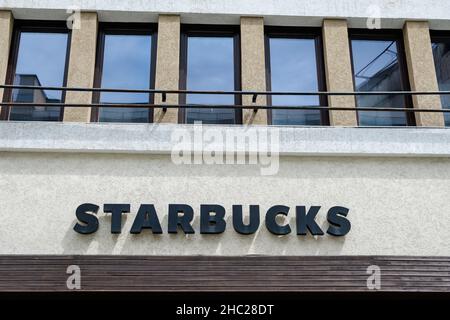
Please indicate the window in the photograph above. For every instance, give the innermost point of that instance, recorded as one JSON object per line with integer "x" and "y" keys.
{"x": 295, "y": 63}
{"x": 39, "y": 58}
{"x": 210, "y": 61}
{"x": 378, "y": 65}
{"x": 126, "y": 60}
{"x": 441, "y": 53}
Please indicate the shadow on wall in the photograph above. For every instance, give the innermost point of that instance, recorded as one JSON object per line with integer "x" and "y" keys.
{"x": 229, "y": 243}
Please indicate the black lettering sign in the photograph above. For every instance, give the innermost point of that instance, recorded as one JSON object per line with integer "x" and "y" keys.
{"x": 213, "y": 219}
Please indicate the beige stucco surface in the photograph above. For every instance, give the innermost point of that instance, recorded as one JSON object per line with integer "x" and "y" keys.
{"x": 338, "y": 71}
{"x": 422, "y": 72}
{"x": 168, "y": 65}
{"x": 253, "y": 67}
{"x": 82, "y": 67}
{"x": 398, "y": 206}
{"x": 6, "y": 28}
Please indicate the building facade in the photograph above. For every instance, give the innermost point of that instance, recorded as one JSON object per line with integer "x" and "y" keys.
{"x": 225, "y": 145}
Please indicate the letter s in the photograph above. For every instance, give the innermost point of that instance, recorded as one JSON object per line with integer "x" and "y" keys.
{"x": 90, "y": 220}
{"x": 339, "y": 225}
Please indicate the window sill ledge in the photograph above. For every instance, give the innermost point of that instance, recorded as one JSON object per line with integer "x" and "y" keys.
{"x": 157, "y": 139}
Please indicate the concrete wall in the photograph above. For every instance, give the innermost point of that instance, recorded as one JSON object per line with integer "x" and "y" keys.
{"x": 276, "y": 12}
{"x": 338, "y": 69}
{"x": 398, "y": 204}
{"x": 422, "y": 72}
{"x": 395, "y": 182}
{"x": 6, "y": 29}
{"x": 253, "y": 67}
{"x": 81, "y": 69}
{"x": 167, "y": 65}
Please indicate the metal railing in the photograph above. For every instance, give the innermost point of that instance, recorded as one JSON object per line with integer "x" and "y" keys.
{"x": 253, "y": 94}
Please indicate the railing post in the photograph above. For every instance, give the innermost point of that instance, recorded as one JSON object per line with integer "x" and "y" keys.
{"x": 6, "y": 29}
{"x": 82, "y": 67}
{"x": 253, "y": 67}
{"x": 422, "y": 72}
{"x": 338, "y": 71}
{"x": 167, "y": 65}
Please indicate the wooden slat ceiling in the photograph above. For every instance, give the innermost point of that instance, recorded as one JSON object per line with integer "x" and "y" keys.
{"x": 223, "y": 274}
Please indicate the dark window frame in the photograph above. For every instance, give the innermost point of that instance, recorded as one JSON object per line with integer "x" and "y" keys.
{"x": 113, "y": 28}
{"x": 439, "y": 35}
{"x": 298, "y": 33}
{"x": 210, "y": 31}
{"x": 33, "y": 26}
{"x": 387, "y": 35}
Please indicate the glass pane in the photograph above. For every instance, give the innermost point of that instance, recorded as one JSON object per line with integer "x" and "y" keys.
{"x": 376, "y": 68}
{"x": 41, "y": 61}
{"x": 210, "y": 66}
{"x": 293, "y": 67}
{"x": 441, "y": 52}
{"x": 126, "y": 65}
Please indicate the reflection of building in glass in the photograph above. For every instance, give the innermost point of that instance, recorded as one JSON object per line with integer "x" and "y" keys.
{"x": 441, "y": 53}
{"x": 32, "y": 96}
{"x": 210, "y": 116}
{"x": 29, "y": 95}
{"x": 118, "y": 114}
{"x": 385, "y": 79}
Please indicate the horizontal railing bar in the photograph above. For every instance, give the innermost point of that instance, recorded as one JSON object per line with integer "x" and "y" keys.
{"x": 194, "y": 106}
{"x": 218, "y": 92}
